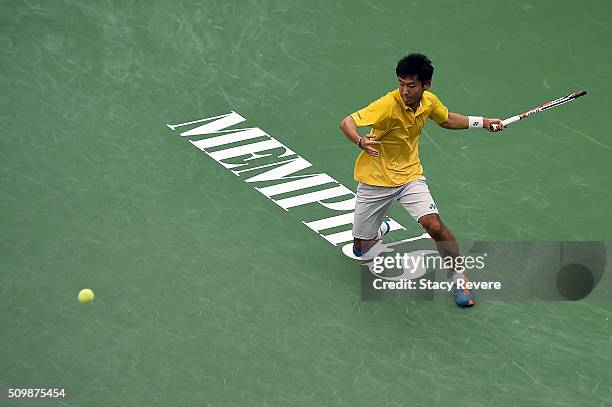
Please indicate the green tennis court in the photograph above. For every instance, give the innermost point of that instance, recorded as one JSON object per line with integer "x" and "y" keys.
{"x": 209, "y": 293}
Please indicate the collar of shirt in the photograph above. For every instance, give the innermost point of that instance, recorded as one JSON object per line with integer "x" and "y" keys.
{"x": 419, "y": 110}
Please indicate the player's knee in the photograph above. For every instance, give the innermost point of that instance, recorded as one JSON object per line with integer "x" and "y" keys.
{"x": 436, "y": 230}
{"x": 433, "y": 225}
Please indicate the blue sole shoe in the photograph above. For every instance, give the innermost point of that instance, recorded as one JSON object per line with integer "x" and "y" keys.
{"x": 464, "y": 297}
{"x": 384, "y": 228}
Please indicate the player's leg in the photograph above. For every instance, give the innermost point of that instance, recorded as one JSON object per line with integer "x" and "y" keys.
{"x": 448, "y": 248}
{"x": 372, "y": 204}
{"x": 417, "y": 200}
{"x": 443, "y": 237}
{"x": 362, "y": 246}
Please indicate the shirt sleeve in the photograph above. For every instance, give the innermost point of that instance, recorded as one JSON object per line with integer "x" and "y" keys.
{"x": 439, "y": 114}
{"x": 376, "y": 114}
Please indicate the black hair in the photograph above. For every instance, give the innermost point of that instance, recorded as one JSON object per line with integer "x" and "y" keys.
{"x": 415, "y": 64}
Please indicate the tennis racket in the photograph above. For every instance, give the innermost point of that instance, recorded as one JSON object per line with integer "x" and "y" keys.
{"x": 541, "y": 108}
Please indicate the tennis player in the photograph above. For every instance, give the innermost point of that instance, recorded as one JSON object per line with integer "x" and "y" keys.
{"x": 389, "y": 170}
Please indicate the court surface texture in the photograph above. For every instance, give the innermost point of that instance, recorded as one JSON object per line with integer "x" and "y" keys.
{"x": 210, "y": 294}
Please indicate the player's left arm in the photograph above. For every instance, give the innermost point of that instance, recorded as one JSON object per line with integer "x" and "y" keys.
{"x": 458, "y": 121}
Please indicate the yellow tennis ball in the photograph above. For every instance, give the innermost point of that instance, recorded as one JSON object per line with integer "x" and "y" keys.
{"x": 86, "y": 295}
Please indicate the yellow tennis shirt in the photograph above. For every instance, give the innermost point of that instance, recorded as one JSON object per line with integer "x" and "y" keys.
{"x": 398, "y": 128}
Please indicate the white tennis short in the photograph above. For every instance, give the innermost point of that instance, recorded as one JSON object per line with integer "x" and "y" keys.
{"x": 373, "y": 204}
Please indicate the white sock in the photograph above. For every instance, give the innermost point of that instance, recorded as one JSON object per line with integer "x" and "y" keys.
{"x": 382, "y": 230}
{"x": 458, "y": 275}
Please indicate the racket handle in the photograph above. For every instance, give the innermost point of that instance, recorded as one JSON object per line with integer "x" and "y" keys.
{"x": 506, "y": 122}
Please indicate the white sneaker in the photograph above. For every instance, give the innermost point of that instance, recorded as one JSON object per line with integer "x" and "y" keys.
{"x": 383, "y": 230}
{"x": 370, "y": 253}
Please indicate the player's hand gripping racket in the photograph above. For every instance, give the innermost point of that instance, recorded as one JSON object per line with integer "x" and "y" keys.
{"x": 545, "y": 106}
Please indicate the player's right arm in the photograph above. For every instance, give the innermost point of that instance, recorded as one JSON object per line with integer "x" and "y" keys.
{"x": 376, "y": 115}
{"x": 458, "y": 121}
{"x": 366, "y": 143}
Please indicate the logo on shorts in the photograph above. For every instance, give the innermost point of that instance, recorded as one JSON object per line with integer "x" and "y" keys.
{"x": 432, "y": 206}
